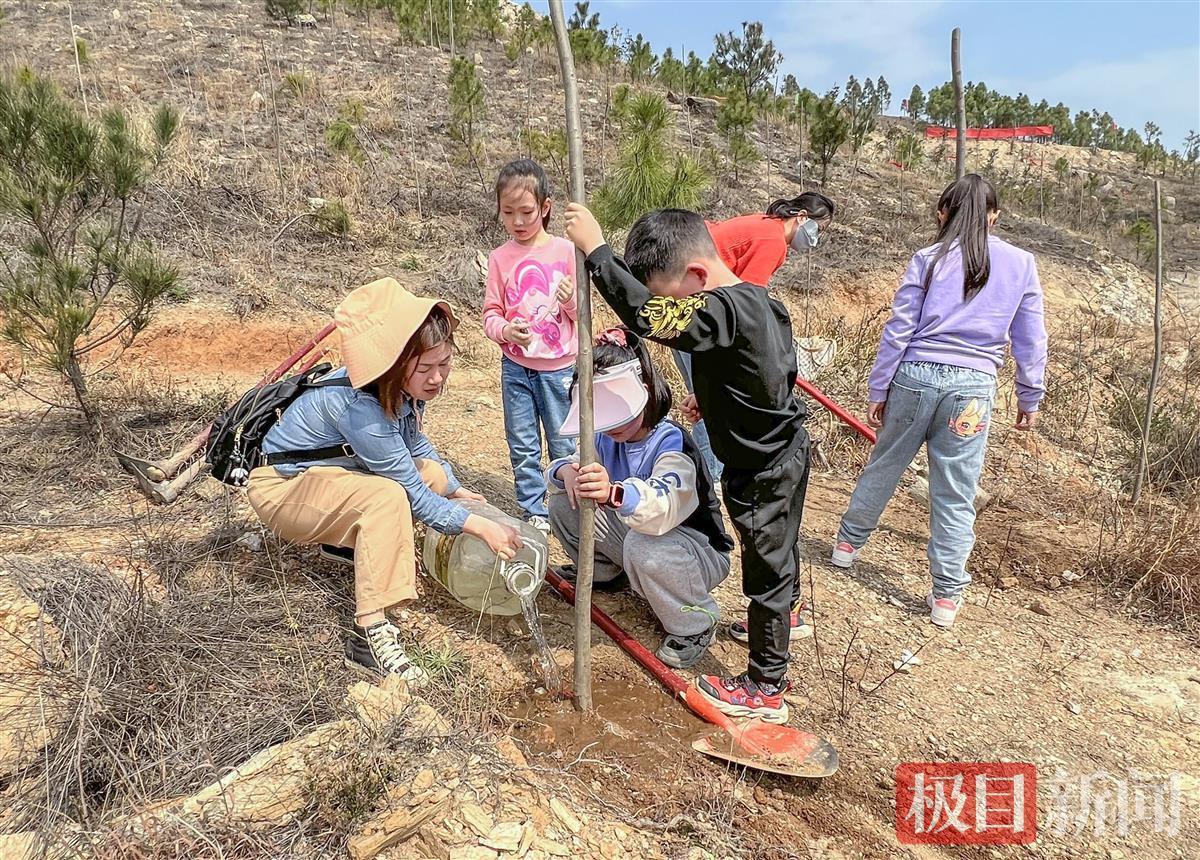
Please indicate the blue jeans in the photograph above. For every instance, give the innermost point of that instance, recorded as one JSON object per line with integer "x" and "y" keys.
{"x": 683, "y": 360}
{"x": 949, "y": 410}
{"x": 534, "y": 401}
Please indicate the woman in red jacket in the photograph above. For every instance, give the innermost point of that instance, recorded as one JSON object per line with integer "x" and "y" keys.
{"x": 755, "y": 246}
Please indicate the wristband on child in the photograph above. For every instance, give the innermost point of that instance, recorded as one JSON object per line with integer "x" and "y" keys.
{"x": 616, "y": 496}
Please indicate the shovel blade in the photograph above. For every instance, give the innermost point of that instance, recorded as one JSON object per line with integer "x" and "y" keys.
{"x": 771, "y": 748}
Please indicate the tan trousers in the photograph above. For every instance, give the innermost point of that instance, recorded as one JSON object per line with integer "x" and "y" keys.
{"x": 369, "y": 513}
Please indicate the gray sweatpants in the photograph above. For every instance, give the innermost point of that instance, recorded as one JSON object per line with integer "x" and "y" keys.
{"x": 672, "y": 571}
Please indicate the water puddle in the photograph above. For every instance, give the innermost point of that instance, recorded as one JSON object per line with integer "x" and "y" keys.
{"x": 634, "y": 727}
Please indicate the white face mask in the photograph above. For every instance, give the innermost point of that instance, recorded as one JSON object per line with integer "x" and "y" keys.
{"x": 806, "y": 237}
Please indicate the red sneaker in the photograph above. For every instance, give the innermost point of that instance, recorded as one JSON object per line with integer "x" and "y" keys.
{"x": 801, "y": 629}
{"x": 742, "y": 697}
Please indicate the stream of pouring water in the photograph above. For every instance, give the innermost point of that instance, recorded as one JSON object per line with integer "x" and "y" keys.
{"x": 545, "y": 660}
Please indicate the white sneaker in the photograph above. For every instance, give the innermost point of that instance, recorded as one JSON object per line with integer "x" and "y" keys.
{"x": 541, "y": 524}
{"x": 844, "y": 555}
{"x": 943, "y": 610}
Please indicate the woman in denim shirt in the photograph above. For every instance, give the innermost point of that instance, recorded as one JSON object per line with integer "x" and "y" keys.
{"x": 397, "y": 350}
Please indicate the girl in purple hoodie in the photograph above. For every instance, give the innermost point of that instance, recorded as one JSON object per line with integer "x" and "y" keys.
{"x": 962, "y": 302}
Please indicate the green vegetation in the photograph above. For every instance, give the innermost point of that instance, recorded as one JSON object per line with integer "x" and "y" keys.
{"x": 646, "y": 174}
{"x": 77, "y": 275}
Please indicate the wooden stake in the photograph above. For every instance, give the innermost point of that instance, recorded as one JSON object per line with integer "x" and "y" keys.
{"x": 587, "y": 437}
{"x": 1157, "y": 362}
{"x": 78, "y": 68}
{"x": 960, "y": 107}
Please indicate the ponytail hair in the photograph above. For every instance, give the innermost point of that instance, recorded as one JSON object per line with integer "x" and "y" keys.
{"x": 967, "y": 204}
{"x": 620, "y": 345}
{"x": 815, "y": 204}
{"x": 528, "y": 174}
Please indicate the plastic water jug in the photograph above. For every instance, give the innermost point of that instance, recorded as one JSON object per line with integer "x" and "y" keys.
{"x": 473, "y": 574}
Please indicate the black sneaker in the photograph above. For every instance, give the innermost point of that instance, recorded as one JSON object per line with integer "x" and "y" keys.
{"x": 377, "y": 650}
{"x": 616, "y": 585}
{"x": 337, "y": 554}
{"x": 683, "y": 652}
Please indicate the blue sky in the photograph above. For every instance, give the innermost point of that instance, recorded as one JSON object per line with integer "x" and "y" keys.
{"x": 1138, "y": 60}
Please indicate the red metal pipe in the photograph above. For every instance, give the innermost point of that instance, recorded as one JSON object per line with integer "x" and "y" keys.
{"x": 830, "y": 404}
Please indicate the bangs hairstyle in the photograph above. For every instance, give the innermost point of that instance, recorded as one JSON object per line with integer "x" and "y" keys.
{"x": 664, "y": 241}
{"x": 967, "y": 204}
{"x": 527, "y": 174}
{"x": 389, "y": 388}
{"x": 816, "y": 205}
{"x": 606, "y": 354}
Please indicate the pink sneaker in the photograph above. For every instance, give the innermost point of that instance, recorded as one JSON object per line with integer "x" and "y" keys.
{"x": 943, "y": 610}
{"x": 843, "y": 555}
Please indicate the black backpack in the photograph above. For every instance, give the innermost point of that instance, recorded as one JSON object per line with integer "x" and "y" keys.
{"x": 235, "y": 442}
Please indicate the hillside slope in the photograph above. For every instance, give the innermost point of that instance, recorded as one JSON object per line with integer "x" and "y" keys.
{"x": 1046, "y": 666}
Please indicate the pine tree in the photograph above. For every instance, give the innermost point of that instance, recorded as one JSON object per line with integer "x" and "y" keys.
{"x": 78, "y": 276}
{"x": 640, "y": 59}
{"x": 748, "y": 61}
{"x": 827, "y": 131}
{"x": 646, "y": 175}
{"x": 734, "y": 121}
{"x": 466, "y": 107}
{"x": 671, "y": 71}
{"x": 916, "y": 103}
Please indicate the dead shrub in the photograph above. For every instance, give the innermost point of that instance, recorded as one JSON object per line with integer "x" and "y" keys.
{"x": 158, "y": 698}
{"x": 1155, "y": 559}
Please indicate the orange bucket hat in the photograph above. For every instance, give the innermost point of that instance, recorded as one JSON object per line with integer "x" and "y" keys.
{"x": 376, "y": 322}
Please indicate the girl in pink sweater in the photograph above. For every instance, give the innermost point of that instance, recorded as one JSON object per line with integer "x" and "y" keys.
{"x": 529, "y": 309}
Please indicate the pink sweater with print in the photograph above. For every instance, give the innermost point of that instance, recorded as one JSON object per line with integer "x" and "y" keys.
{"x": 521, "y": 283}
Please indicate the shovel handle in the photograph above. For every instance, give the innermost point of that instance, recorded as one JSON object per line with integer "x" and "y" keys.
{"x": 635, "y": 649}
{"x": 829, "y": 403}
{"x": 699, "y": 705}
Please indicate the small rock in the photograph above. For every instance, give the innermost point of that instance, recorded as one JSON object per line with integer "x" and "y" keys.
{"x": 565, "y": 815}
{"x": 1071, "y": 576}
{"x": 906, "y": 662}
{"x": 473, "y": 852}
{"x": 1039, "y": 608}
{"x": 1007, "y": 583}
{"x": 477, "y": 818}
{"x": 1055, "y": 583}
{"x": 886, "y": 780}
{"x": 554, "y": 849}
{"x": 478, "y": 59}
{"x": 505, "y": 836}
{"x": 250, "y": 541}
{"x": 1074, "y": 708}
{"x": 895, "y": 601}
{"x": 423, "y": 780}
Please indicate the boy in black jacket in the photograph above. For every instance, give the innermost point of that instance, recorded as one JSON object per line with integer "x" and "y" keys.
{"x": 673, "y": 288}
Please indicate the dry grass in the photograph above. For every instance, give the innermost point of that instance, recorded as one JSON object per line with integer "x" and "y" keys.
{"x": 158, "y": 698}
{"x": 1154, "y": 560}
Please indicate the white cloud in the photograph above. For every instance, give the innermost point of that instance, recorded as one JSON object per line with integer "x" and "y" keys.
{"x": 822, "y": 43}
{"x": 1163, "y": 86}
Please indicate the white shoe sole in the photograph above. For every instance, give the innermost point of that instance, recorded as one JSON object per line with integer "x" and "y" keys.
{"x": 935, "y": 615}
{"x": 843, "y": 560}
{"x": 418, "y": 680}
{"x": 778, "y": 717}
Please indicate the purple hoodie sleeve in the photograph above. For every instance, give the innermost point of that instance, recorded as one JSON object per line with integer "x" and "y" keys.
{"x": 1028, "y": 336}
{"x": 906, "y": 316}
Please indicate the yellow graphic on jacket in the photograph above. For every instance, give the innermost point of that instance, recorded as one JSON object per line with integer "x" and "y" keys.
{"x": 972, "y": 420}
{"x": 668, "y": 316}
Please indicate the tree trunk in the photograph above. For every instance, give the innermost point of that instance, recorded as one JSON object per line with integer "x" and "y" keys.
{"x": 1157, "y": 362}
{"x": 587, "y": 438}
{"x": 79, "y": 386}
{"x": 960, "y": 108}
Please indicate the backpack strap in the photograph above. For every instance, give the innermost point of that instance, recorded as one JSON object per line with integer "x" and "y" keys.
{"x": 309, "y": 455}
